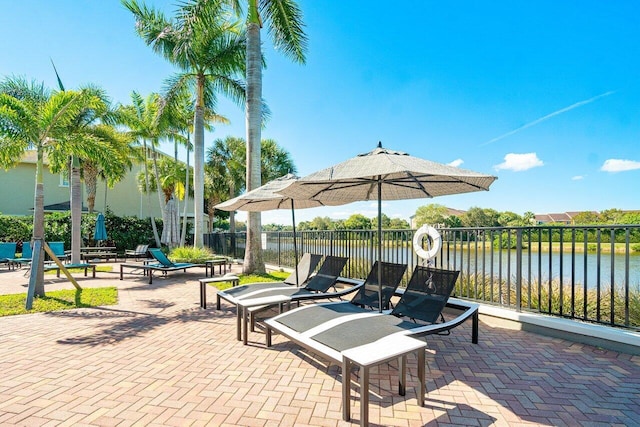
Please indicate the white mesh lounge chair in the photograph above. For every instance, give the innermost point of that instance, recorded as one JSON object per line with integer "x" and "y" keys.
{"x": 139, "y": 252}
{"x": 366, "y": 296}
{"x": 317, "y": 287}
{"x": 306, "y": 266}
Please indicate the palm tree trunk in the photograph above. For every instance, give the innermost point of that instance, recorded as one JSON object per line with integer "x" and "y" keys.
{"x": 183, "y": 235}
{"x": 37, "y": 269}
{"x": 198, "y": 163}
{"x": 253, "y": 260}
{"x": 147, "y": 190}
{"x": 91, "y": 182}
{"x": 76, "y": 211}
{"x": 162, "y": 203}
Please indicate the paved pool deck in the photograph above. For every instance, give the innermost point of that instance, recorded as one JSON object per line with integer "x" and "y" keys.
{"x": 158, "y": 359}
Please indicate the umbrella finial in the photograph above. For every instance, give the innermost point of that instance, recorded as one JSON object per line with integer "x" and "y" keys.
{"x": 379, "y": 144}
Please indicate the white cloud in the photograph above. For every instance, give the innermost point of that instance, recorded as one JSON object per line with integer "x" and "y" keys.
{"x": 456, "y": 162}
{"x": 578, "y": 178}
{"x": 520, "y": 162}
{"x": 619, "y": 165}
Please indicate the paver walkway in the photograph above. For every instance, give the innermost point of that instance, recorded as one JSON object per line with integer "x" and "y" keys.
{"x": 156, "y": 358}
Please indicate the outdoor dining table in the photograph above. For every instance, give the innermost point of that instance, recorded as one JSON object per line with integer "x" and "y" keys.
{"x": 101, "y": 252}
{"x": 210, "y": 265}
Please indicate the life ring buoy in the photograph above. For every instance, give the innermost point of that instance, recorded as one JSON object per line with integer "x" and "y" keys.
{"x": 432, "y": 248}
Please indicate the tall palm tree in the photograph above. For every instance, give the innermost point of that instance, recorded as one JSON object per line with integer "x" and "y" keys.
{"x": 181, "y": 118}
{"x": 284, "y": 21}
{"x": 148, "y": 125}
{"x": 33, "y": 117}
{"x": 209, "y": 49}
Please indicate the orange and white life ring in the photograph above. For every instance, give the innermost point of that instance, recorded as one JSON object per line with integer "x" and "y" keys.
{"x": 434, "y": 242}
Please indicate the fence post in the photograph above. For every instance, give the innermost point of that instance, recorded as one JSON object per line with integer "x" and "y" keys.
{"x": 279, "y": 242}
{"x": 519, "y": 269}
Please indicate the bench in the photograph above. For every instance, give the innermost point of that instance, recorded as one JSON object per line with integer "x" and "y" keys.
{"x": 83, "y": 265}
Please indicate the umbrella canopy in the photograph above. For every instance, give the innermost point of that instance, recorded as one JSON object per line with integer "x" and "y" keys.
{"x": 101, "y": 230}
{"x": 267, "y": 197}
{"x": 170, "y": 229}
{"x": 384, "y": 174}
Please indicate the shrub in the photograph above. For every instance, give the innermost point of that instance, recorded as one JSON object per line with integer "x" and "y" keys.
{"x": 190, "y": 254}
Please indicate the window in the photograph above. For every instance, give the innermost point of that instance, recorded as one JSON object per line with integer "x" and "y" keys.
{"x": 64, "y": 179}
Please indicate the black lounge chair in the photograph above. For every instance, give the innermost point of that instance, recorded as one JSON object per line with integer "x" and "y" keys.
{"x": 316, "y": 288}
{"x": 363, "y": 302}
{"x": 164, "y": 265}
{"x": 346, "y": 334}
{"x": 306, "y": 266}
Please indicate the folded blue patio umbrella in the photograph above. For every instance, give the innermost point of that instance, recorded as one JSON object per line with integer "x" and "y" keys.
{"x": 101, "y": 230}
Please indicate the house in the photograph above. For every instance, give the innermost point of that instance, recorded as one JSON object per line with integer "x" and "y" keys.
{"x": 17, "y": 189}
{"x": 566, "y": 218}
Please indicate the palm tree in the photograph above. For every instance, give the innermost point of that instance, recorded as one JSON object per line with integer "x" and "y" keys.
{"x": 148, "y": 125}
{"x": 33, "y": 117}
{"x": 210, "y": 51}
{"x": 284, "y": 19}
{"x": 181, "y": 119}
{"x": 226, "y": 168}
{"x": 225, "y": 162}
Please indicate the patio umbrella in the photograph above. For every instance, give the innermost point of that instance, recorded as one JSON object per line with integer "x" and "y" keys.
{"x": 384, "y": 174}
{"x": 170, "y": 232}
{"x": 266, "y": 198}
{"x": 100, "y": 232}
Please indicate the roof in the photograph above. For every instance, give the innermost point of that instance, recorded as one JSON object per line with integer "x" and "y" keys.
{"x": 62, "y": 206}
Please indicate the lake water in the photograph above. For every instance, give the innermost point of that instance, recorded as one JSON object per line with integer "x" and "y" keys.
{"x": 540, "y": 267}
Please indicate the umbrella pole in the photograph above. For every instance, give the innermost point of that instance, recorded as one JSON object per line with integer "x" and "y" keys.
{"x": 380, "y": 243}
{"x": 295, "y": 245}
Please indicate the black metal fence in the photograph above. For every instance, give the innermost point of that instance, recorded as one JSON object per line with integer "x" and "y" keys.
{"x": 590, "y": 273}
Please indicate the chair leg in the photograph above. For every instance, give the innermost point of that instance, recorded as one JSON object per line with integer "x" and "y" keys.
{"x": 402, "y": 375}
{"x": 346, "y": 389}
{"x": 421, "y": 376}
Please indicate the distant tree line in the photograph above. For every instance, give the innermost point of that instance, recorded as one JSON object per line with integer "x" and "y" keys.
{"x": 435, "y": 214}
{"x": 354, "y": 222}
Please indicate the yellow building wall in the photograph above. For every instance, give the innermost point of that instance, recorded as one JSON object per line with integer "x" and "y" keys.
{"x": 17, "y": 189}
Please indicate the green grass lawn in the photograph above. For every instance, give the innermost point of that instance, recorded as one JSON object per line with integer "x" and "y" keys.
{"x": 59, "y": 300}
{"x": 274, "y": 276}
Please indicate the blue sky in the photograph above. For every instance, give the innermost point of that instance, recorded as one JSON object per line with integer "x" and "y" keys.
{"x": 543, "y": 95}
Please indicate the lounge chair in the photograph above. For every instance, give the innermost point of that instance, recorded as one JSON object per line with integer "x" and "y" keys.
{"x": 7, "y": 252}
{"x": 139, "y": 252}
{"x": 367, "y": 337}
{"x": 391, "y": 273}
{"x": 58, "y": 250}
{"x": 25, "y": 256}
{"x": 264, "y": 297}
{"x": 306, "y": 266}
{"x": 164, "y": 265}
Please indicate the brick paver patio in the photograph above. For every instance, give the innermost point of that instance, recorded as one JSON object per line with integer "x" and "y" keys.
{"x": 156, "y": 358}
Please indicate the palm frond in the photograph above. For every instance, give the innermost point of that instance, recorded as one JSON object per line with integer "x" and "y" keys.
{"x": 286, "y": 27}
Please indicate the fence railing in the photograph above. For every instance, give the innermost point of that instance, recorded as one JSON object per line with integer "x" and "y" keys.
{"x": 590, "y": 273}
